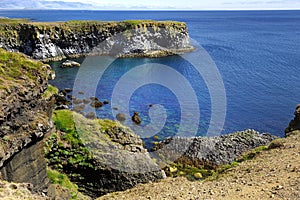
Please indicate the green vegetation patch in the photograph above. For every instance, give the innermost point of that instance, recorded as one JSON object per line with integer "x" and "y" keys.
{"x": 50, "y": 91}
{"x": 12, "y": 21}
{"x": 65, "y": 149}
{"x": 190, "y": 172}
{"x": 63, "y": 180}
{"x": 16, "y": 67}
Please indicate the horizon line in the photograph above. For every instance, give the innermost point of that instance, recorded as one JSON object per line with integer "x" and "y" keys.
{"x": 172, "y": 10}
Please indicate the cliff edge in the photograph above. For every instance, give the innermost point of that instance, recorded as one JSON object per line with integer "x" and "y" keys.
{"x": 58, "y": 40}
{"x": 25, "y": 118}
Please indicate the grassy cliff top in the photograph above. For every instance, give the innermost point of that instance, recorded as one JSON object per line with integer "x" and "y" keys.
{"x": 15, "y": 68}
{"x": 8, "y": 21}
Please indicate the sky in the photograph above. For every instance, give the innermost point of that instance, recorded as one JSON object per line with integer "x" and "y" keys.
{"x": 152, "y": 4}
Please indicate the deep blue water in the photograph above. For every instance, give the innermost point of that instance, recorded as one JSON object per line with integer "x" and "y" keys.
{"x": 256, "y": 53}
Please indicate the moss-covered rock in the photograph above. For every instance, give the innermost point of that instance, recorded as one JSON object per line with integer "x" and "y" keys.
{"x": 100, "y": 156}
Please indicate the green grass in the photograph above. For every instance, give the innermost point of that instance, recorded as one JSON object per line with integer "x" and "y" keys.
{"x": 65, "y": 147}
{"x": 64, "y": 121}
{"x": 251, "y": 154}
{"x": 63, "y": 180}
{"x": 13, "y": 21}
{"x": 15, "y": 67}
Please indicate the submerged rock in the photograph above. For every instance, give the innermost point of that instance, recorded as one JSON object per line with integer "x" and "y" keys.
{"x": 121, "y": 117}
{"x": 96, "y": 104}
{"x": 91, "y": 115}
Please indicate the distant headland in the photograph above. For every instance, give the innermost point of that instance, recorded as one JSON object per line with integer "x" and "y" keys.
{"x": 59, "y": 40}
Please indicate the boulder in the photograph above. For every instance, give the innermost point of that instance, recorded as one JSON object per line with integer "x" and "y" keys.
{"x": 70, "y": 63}
{"x": 96, "y": 104}
{"x": 105, "y": 102}
{"x": 136, "y": 118}
{"x": 102, "y": 157}
{"x": 210, "y": 152}
{"x": 68, "y": 90}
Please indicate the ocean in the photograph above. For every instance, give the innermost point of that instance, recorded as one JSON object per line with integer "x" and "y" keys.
{"x": 256, "y": 55}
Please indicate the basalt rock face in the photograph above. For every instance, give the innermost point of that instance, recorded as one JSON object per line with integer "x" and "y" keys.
{"x": 204, "y": 152}
{"x": 50, "y": 41}
{"x": 24, "y": 119}
{"x": 295, "y": 123}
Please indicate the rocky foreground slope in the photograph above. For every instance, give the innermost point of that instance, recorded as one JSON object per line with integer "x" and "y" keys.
{"x": 271, "y": 174}
{"x": 57, "y": 40}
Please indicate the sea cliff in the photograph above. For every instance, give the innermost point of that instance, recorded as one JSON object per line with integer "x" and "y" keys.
{"x": 58, "y": 40}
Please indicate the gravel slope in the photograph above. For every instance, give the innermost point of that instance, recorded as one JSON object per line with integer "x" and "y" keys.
{"x": 273, "y": 174}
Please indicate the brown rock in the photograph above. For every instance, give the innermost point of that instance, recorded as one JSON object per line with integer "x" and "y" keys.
{"x": 136, "y": 118}
{"x": 96, "y": 104}
{"x": 295, "y": 123}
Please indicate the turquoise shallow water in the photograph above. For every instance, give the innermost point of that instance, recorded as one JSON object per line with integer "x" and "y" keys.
{"x": 256, "y": 53}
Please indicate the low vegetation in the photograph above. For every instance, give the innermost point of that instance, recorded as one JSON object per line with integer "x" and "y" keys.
{"x": 62, "y": 180}
{"x": 192, "y": 173}
{"x": 15, "y": 66}
{"x": 51, "y": 90}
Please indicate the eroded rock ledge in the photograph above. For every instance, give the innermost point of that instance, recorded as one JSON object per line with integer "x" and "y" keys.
{"x": 58, "y": 40}
{"x": 210, "y": 152}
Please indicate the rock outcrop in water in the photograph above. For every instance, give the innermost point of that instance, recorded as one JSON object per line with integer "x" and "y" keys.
{"x": 204, "y": 152}
{"x": 25, "y": 117}
{"x": 50, "y": 41}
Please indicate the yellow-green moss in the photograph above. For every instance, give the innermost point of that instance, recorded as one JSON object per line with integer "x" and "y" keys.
{"x": 51, "y": 90}
{"x": 63, "y": 180}
{"x": 16, "y": 67}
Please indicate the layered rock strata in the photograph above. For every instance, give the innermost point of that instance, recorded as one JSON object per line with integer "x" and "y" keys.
{"x": 52, "y": 41}
{"x": 25, "y": 117}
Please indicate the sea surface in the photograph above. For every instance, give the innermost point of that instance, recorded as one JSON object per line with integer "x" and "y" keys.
{"x": 256, "y": 54}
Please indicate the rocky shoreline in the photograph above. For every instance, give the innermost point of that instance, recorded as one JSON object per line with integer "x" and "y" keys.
{"x": 94, "y": 156}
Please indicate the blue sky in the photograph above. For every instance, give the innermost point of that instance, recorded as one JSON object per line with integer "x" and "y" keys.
{"x": 151, "y": 4}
